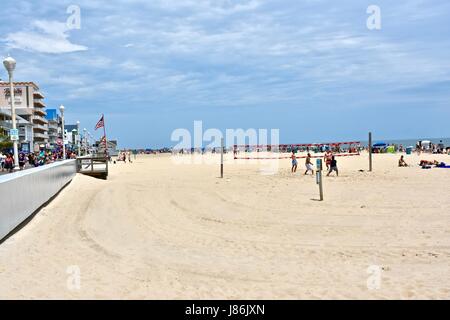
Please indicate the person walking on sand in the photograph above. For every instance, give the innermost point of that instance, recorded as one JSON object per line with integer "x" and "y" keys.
{"x": 309, "y": 165}
{"x": 129, "y": 157}
{"x": 294, "y": 162}
{"x": 333, "y": 167}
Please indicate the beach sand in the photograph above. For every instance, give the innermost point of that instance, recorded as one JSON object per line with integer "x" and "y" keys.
{"x": 160, "y": 230}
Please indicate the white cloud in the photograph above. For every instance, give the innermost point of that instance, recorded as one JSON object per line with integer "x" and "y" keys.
{"x": 130, "y": 66}
{"x": 230, "y": 52}
{"x": 45, "y": 37}
{"x": 223, "y": 7}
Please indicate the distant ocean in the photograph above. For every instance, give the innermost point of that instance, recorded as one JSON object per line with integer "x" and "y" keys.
{"x": 410, "y": 142}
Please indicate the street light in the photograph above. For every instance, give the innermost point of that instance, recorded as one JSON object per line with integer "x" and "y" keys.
{"x": 78, "y": 138}
{"x": 85, "y": 140}
{"x": 89, "y": 136}
{"x": 74, "y": 137}
{"x": 10, "y": 65}
{"x": 61, "y": 109}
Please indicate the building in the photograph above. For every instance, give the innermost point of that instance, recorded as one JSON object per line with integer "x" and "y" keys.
{"x": 30, "y": 110}
{"x": 112, "y": 147}
{"x": 54, "y": 127}
{"x": 71, "y": 135}
{"x": 24, "y": 126}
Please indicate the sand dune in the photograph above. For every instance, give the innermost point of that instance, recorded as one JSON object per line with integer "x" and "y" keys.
{"x": 160, "y": 230}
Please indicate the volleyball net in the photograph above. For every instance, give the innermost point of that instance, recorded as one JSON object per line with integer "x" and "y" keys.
{"x": 283, "y": 151}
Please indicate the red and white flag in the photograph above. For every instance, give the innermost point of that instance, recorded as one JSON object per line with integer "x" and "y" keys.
{"x": 100, "y": 123}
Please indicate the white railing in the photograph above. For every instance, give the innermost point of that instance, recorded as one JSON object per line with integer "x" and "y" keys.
{"x": 24, "y": 192}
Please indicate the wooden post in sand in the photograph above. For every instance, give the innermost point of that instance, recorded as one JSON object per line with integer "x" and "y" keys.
{"x": 319, "y": 178}
{"x": 221, "y": 156}
{"x": 370, "y": 151}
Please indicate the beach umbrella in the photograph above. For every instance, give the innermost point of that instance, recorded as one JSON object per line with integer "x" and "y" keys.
{"x": 379, "y": 144}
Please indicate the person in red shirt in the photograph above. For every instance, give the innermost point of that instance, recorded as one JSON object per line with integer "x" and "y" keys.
{"x": 327, "y": 158}
{"x": 9, "y": 163}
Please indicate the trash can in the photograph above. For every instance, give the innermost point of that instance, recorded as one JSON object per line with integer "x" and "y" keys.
{"x": 409, "y": 150}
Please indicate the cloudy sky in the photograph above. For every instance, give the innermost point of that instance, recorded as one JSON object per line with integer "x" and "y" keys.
{"x": 311, "y": 68}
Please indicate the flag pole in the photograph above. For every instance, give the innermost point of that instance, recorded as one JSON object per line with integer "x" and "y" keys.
{"x": 104, "y": 133}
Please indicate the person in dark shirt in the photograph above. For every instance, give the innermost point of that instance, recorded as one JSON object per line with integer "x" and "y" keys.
{"x": 333, "y": 167}
{"x": 22, "y": 160}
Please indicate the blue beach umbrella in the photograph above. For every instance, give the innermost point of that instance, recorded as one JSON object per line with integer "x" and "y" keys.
{"x": 379, "y": 145}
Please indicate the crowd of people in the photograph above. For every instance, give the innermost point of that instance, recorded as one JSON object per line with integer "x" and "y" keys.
{"x": 331, "y": 163}
{"x": 32, "y": 159}
{"x": 435, "y": 148}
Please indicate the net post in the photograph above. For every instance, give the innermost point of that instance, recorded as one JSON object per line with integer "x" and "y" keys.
{"x": 319, "y": 177}
{"x": 370, "y": 151}
{"x": 221, "y": 157}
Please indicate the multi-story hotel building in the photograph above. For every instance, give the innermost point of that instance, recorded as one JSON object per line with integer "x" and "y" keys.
{"x": 31, "y": 115}
{"x": 54, "y": 127}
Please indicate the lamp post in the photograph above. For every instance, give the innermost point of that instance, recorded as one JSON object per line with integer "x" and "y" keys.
{"x": 85, "y": 139}
{"x": 10, "y": 65}
{"x": 89, "y": 142}
{"x": 74, "y": 138}
{"x": 61, "y": 109}
{"x": 78, "y": 138}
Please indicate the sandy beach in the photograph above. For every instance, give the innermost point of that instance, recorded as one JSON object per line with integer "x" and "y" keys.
{"x": 160, "y": 230}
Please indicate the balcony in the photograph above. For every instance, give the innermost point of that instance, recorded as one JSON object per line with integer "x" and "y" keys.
{"x": 24, "y": 111}
{"x": 5, "y": 124}
{"x": 40, "y": 112}
{"x": 39, "y": 119}
{"x": 5, "y": 112}
{"x": 40, "y": 127}
{"x": 40, "y": 136}
{"x": 38, "y": 103}
{"x": 38, "y": 95}
{"x": 53, "y": 135}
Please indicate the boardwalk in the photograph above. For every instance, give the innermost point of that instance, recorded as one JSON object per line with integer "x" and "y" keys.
{"x": 94, "y": 166}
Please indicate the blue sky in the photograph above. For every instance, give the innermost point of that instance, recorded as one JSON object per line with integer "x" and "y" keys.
{"x": 310, "y": 68}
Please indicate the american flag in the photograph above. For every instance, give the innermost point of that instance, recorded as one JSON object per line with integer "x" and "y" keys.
{"x": 100, "y": 123}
